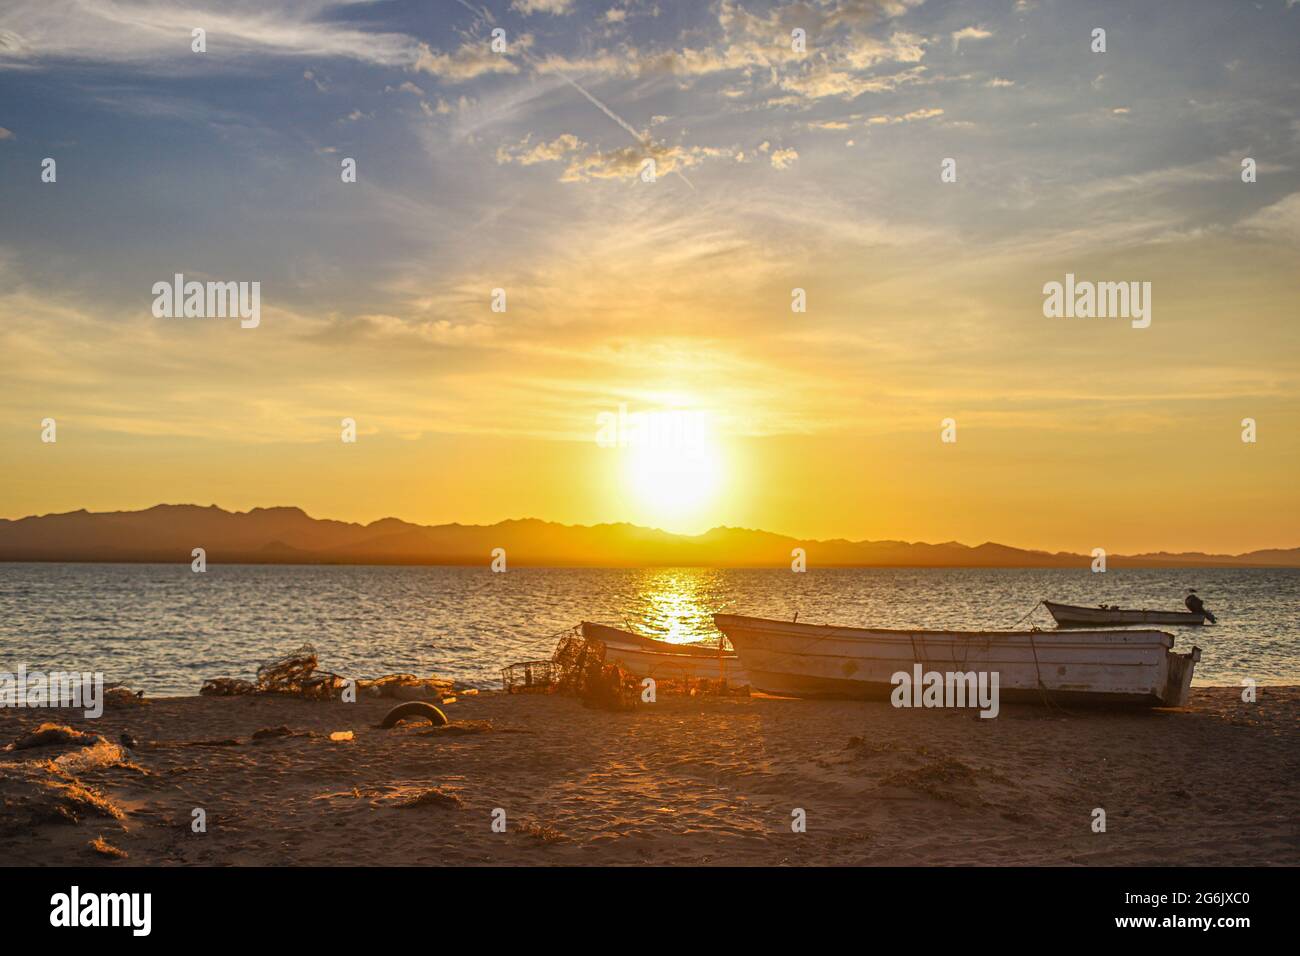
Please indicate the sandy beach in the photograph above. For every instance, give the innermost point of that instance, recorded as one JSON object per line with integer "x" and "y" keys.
{"x": 682, "y": 781}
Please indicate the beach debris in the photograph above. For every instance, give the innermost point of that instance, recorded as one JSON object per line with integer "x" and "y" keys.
{"x": 341, "y": 735}
{"x": 413, "y": 710}
{"x": 289, "y": 674}
{"x": 565, "y": 672}
{"x": 97, "y": 756}
{"x": 577, "y": 661}
{"x": 296, "y": 673}
{"x": 34, "y": 792}
{"x": 226, "y": 687}
{"x": 89, "y": 751}
{"x": 449, "y": 700}
{"x": 104, "y": 848}
{"x": 530, "y": 677}
{"x": 218, "y": 742}
{"x": 69, "y": 799}
{"x": 40, "y": 788}
{"x": 610, "y": 687}
{"x": 268, "y": 732}
{"x": 408, "y": 687}
{"x": 700, "y": 687}
{"x": 397, "y": 795}
{"x": 48, "y": 735}
{"x": 578, "y": 668}
{"x": 119, "y": 695}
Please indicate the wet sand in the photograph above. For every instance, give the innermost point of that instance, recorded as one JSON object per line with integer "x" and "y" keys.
{"x": 681, "y": 781}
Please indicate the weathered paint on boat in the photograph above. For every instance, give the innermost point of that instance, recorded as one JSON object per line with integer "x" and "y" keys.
{"x": 1102, "y": 667}
{"x": 646, "y": 657}
{"x": 1069, "y": 615}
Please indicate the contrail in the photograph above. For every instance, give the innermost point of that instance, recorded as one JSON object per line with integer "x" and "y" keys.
{"x": 642, "y": 140}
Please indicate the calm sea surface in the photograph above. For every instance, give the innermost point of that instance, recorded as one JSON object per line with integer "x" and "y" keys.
{"x": 164, "y": 629}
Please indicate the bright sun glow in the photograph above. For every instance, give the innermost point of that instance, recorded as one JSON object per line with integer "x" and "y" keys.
{"x": 674, "y": 470}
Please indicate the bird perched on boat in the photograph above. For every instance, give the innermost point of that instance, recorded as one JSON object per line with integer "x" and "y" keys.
{"x": 1196, "y": 606}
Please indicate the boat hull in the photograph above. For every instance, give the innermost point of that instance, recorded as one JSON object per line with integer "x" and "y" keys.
{"x": 1069, "y": 615}
{"x": 645, "y": 657}
{"x": 1092, "y": 667}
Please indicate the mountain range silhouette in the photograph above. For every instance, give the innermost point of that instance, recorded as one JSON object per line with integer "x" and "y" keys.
{"x": 288, "y": 535}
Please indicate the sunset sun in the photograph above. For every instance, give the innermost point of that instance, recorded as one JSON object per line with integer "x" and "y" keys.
{"x": 675, "y": 487}
{"x": 673, "y": 469}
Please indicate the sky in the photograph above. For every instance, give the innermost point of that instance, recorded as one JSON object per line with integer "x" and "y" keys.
{"x": 774, "y": 169}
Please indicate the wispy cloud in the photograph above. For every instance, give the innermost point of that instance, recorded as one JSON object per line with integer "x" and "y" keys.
{"x": 147, "y": 35}
{"x": 555, "y": 8}
{"x": 969, "y": 33}
{"x": 1279, "y": 221}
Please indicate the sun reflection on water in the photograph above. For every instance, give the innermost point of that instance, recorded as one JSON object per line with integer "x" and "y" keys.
{"x": 677, "y": 604}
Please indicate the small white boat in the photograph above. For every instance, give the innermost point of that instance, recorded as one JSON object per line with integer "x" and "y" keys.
{"x": 1070, "y": 615}
{"x": 1105, "y": 667}
{"x": 646, "y": 657}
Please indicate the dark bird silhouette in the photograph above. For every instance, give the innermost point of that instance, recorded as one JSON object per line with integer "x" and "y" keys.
{"x": 1196, "y": 606}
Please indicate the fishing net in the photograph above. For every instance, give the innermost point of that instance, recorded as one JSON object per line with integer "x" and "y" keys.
{"x": 529, "y": 677}
{"x": 578, "y": 668}
{"x": 578, "y": 661}
{"x": 609, "y": 687}
{"x": 289, "y": 674}
{"x": 566, "y": 672}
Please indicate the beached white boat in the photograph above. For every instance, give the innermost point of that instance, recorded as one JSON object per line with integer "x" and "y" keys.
{"x": 1105, "y": 667}
{"x": 646, "y": 657}
{"x": 1069, "y": 615}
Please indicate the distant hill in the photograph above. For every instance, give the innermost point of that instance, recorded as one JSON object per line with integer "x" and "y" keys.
{"x": 168, "y": 533}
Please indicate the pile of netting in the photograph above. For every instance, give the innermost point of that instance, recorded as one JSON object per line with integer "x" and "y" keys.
{"x": 563, "y": 672}
{"x": 578, "y": 668}
{"x": 296, "y": 674}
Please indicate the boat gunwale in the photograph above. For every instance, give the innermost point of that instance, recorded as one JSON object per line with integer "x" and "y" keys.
{"x": 1120, "y": 610}
{"x": 668, "y": 654}
{"x": 1054, "y": 635}
{"x": 643, "y": 643}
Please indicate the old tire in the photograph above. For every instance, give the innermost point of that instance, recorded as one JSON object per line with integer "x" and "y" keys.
{"x": 414, "y": 708}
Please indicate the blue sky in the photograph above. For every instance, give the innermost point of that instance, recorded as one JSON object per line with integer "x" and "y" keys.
{"x": 244, "y": 140}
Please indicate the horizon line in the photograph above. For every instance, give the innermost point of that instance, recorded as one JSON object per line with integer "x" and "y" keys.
{"x": 629, "y": 524}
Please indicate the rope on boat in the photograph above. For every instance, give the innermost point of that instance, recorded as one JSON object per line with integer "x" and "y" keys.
{"x": 1042, "y": 688}
{"x": 1036, "y": 606}
{"x": 1038, "y": 672}
{"x": 552, "y": 638}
